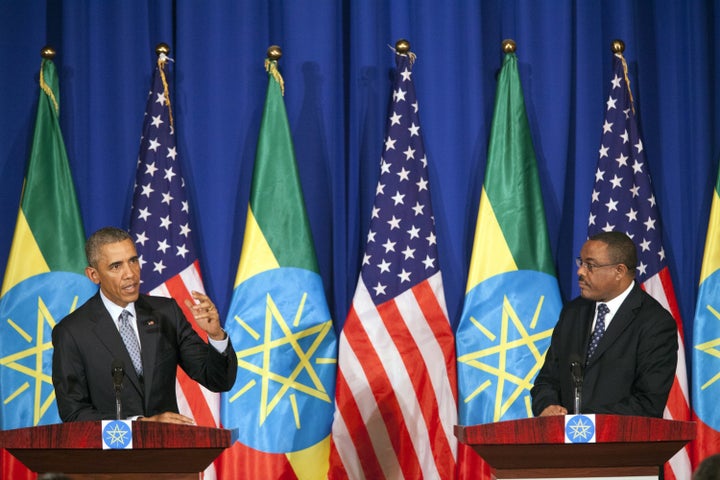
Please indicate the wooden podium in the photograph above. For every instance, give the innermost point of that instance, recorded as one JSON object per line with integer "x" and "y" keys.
{"x": 535, "y": 447}
{"x": 160, "y": 450}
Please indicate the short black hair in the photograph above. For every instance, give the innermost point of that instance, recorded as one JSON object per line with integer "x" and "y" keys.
{"x": 102, "y": 237}
{"x": 620, "y": 247}
{"x": 709, "y": 468}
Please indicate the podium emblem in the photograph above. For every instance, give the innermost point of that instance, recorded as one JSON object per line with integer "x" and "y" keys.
{"x": 580, "y": 429}
{"x": 117, "y": 434}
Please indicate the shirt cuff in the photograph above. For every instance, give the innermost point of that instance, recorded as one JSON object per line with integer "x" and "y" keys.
{"x": 220, "y": 345}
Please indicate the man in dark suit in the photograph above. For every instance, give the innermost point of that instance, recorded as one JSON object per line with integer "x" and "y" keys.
{"x": 89, "y": 343}
{"x": 629, "y": 360}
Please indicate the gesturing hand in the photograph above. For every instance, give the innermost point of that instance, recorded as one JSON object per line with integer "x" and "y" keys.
{"x": 206, "y": 315}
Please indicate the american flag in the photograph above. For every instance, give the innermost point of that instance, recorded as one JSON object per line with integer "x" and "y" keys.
{"x": 160, "y": 225}
{"x": 623, "y": 200}
{"x": 396, "y": 387}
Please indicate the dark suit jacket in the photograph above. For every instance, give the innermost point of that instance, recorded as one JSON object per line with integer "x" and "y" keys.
{"x": 632, "y": 370}
{"x": 87, "y": 341}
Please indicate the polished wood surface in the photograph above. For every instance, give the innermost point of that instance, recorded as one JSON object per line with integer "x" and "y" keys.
{"x": 76, "y": 448}
{"x": 536, "y": 446}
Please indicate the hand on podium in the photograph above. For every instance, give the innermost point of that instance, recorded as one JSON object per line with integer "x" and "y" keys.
{"x": 169, "y": 417}
{"x": 553, "y": 410}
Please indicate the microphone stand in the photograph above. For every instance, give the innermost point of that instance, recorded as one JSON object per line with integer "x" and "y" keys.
{"x": 118, "y": 373}
{"x": 118, "y": 404}
{"x": 576, "y": 371}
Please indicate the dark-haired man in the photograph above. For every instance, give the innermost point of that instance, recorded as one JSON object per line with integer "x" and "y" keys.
{"x": 625, "y": 340}
{"x": 149, "y": 336}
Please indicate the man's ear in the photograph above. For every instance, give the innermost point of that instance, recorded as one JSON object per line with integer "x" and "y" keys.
{"x": 92, "y": 274}
{"x": 622, "y": 269}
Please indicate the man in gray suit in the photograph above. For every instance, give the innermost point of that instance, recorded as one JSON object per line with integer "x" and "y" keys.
{"x": 149, "y": 337}
{"x": 623, "y": 339}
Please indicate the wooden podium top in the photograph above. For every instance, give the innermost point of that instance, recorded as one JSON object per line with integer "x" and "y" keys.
{"x": 609, "y": 428}
{"x": 539, "y": 443}
{"x": 76, "y": 447}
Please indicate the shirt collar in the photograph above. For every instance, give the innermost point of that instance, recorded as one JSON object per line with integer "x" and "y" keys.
{"x": 614, "y": 304}
{"x": 114, "y": 309}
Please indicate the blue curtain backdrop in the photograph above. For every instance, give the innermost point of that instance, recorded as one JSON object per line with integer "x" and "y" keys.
{"x": 337, "y": 68}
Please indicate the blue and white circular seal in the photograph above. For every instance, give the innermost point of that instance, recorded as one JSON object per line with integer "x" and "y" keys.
{"x": 579, "y": 429}
{"x": 117, "y": 434}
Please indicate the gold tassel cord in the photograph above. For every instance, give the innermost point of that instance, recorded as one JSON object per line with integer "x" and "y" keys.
{"x": 162, "y": 60}
{"x": 627, "y": 81}
{"x": 271, "y": 68}
{"x": 46, "y": 88}
{"x": 412, "y": 58}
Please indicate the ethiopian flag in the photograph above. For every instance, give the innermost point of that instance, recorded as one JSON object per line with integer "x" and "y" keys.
{"x": 282, "y": 403}
{"x": 706, "y": 339}
{"x": 512, "y": 299}
{"x": 44, "y": 279}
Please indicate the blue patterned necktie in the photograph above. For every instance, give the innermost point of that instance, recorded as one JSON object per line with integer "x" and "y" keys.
{"x": 131, "y": 342}
{"x": 599, "y": 329}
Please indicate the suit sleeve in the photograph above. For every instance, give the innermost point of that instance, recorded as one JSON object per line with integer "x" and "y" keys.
{"x": 214, "y": 370}
{"x": 546, "y": 390}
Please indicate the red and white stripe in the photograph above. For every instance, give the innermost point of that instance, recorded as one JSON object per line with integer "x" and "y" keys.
{"x": 194, "y": 400}
{"x": 396, "y": 388}
{"x": 678, "y": 407}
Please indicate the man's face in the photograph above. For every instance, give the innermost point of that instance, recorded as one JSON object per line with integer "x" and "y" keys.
{"x": 601, "y": 281}
{"x": 117, "y": 272}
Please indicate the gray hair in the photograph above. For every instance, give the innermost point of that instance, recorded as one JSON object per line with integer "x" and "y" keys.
{"x": 100, "y": 238}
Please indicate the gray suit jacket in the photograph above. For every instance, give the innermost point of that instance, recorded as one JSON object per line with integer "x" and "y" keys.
{"x": 87, "y": 341}
{"x": 632, "y": 370}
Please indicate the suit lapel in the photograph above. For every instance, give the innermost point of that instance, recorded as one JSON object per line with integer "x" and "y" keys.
{"x": 106, "y": 330}
{"x": 621, "y": 320}
{"x": 587, "y": 314}
{"x": 148, "y": 328}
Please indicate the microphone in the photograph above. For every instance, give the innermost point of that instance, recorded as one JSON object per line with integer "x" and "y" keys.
{"x": 118, "y": 373}
{"x": 576, "y": 370}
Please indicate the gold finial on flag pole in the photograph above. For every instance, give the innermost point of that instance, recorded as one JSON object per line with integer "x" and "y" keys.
{"x": 274, "y": 53}
{"x": 508, "y": 45}
{"x": 47, "y": 52}
{"x": 402, "y": 46}
{"x": 617, "y": 46}
{"x": 162, "y": 48}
